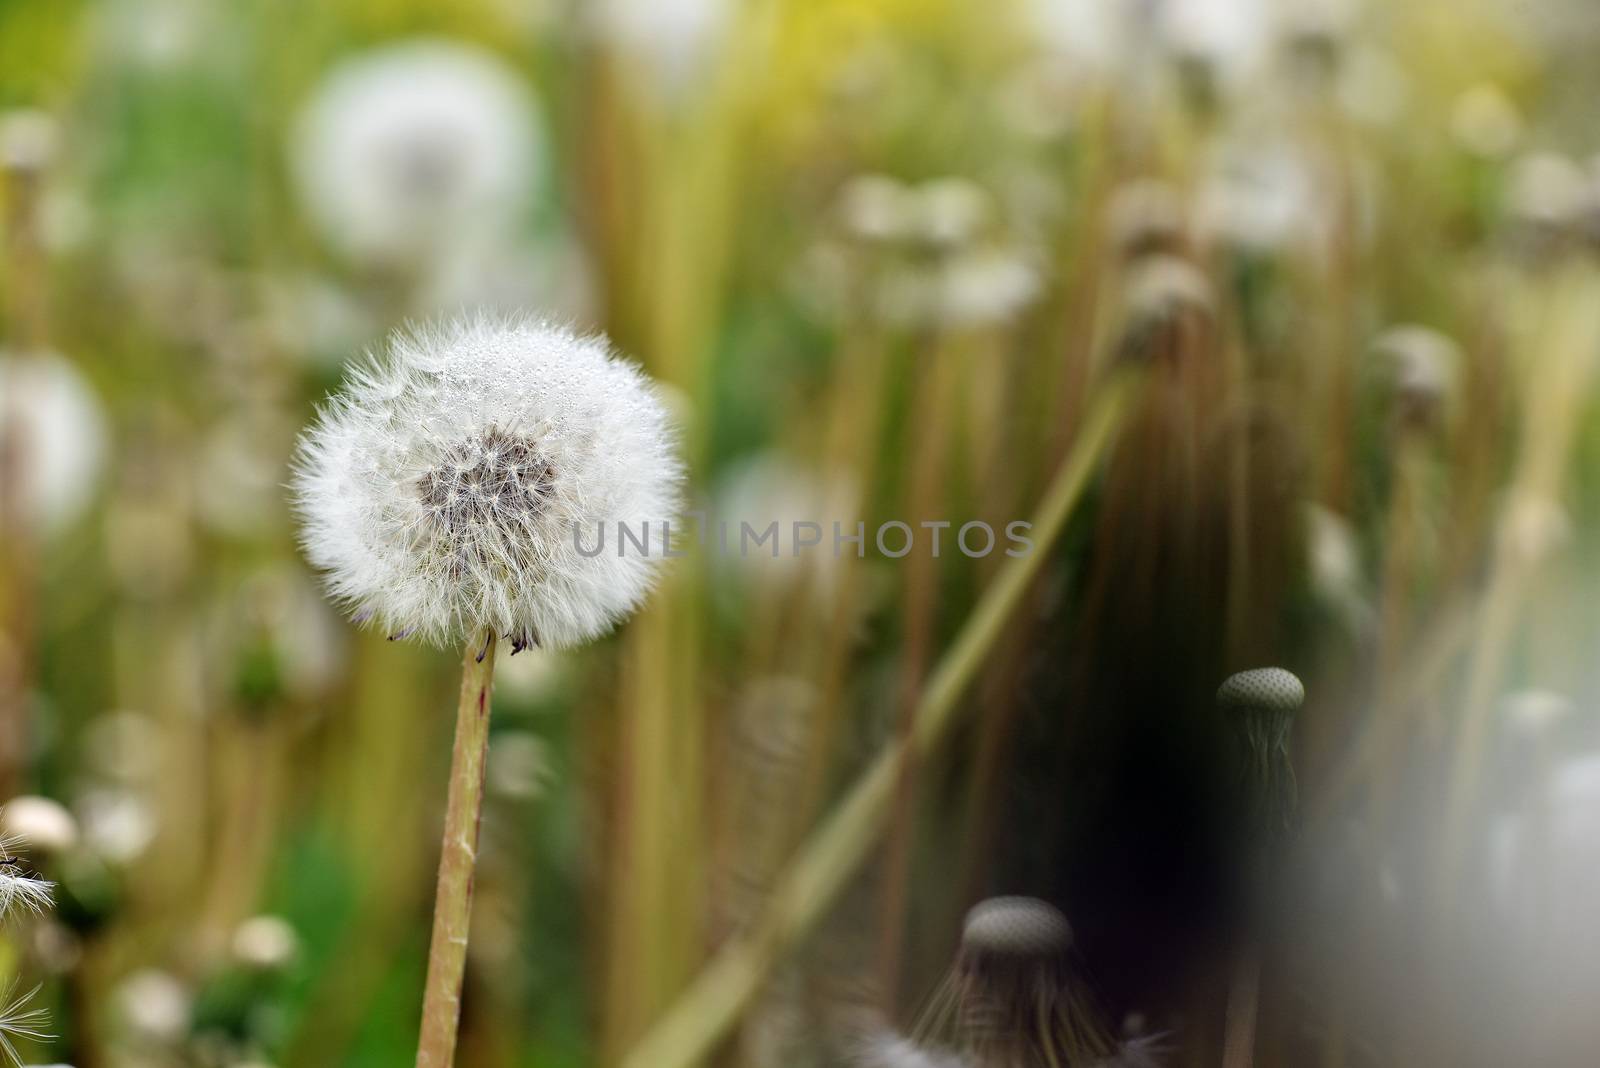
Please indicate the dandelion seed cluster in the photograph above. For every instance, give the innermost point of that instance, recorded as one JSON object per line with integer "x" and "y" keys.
{"x": 440, "y": 489}
{"x": 408, "y": 150}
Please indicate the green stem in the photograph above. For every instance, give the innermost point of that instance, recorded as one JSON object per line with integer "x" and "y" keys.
{"x": 710, "y": 1007}
{"x": 452, "y": 907}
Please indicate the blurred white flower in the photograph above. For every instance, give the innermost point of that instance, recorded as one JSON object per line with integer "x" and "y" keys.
{"x": 29, "y": 139}
{"x": 1420, "y": 367}
{"x": 529, "y": 678}
{"x": 155, "y": 1005}
{"x": 404, "y": 151}
{"x": 1546, "y": 191}
{"x": 950, "y": 212}
{"x": 38, "y": 824}
{"x": 52, "y": 416}
{"x": 1268, "y": 196}
{"x": 1228, "y": 37}
{"x": 266, "y": 943}
{"x": 985, "y": 287}
{"x": 1088, "y": 33}
{"x": 461, "y": 478}
{"x": 668, "y": 40}
{"x": 158, "y": 35}
{"x": 877, "y": 207}
{"x": 117, "y": 824}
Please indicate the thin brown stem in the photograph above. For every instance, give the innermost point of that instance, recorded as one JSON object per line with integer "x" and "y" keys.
{"x": 452, "y": 907}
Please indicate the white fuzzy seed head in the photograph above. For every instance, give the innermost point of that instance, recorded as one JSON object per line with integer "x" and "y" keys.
{"x": 404, "y": 152}
{"x": 440, "y": 488}
{"x": 19, "y": 1019}
{"x": 52, "y": 419}
{"x": 21, "y": 890}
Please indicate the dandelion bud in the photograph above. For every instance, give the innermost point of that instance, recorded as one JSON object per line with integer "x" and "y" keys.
{"x": 487, "y": 474}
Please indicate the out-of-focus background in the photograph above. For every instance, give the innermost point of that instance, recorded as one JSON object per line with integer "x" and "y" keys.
{"x": 883, "y": 253}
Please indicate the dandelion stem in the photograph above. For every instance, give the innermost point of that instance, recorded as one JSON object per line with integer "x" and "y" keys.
{"x": 452, "y": 907}
{"x": 712, "y": 1004}
{"x": 1239, "y": 1028}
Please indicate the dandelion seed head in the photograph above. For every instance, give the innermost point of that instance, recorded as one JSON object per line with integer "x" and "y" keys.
{"x": 671, "y": 42}
{"x": 38, "y": 824}
{"x": 441, "y": 489}
{"x": 20, "y": 889}
{"x": 265, "y": 942}
{"x": 1422, "y": 367}
{"x": 49, "y": 412}
{"x": 155, "y": 1005}
{"x": 405, "y": 151}
{"x": 28, "y": 140}
{"x": 20, "y": 1020}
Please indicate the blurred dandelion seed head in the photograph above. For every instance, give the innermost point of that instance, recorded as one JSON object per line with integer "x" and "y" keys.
{"x": 51, "y": 415}
{"x": 29, "y": 140}
{"x": 442, "y": 488}
{"x": 38, "y": 825}
{"x": 1421, "y": 366}
{"x": 155, "y": 1006}
{"x": 404, "y": 152}
{"x": 268, "y": 943}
